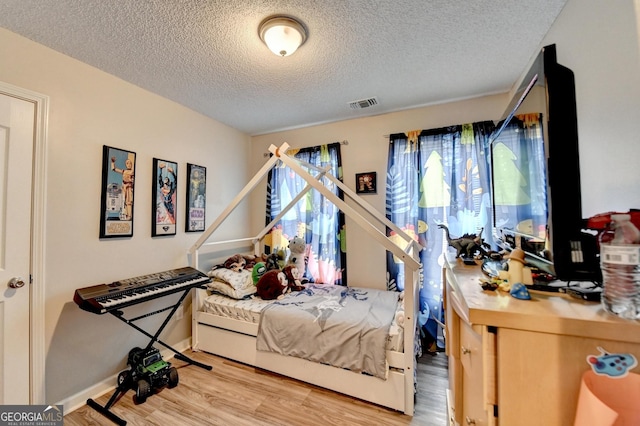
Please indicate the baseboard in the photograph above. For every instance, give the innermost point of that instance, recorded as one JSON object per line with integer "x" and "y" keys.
{"x": 78, "y": 400}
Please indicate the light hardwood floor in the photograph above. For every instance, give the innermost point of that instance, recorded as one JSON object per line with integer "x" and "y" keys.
{"x": 236, "y": 394}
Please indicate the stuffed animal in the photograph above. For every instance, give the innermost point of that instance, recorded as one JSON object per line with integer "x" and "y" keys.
{"x": 293, "y": 277}
{"x": 271, "y": 262}
{"x": 258, "y": 271}
{"x": 252, "y": 260}
{"x": 282, "y": 257}
{"x": 275, "y": 260}
{"x": 297, "y": 249}
{"x": 272, "y": 285}
{"x": 235, "y": 263}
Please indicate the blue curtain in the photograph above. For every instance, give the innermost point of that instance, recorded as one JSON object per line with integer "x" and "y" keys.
{"x": 438, "y": 176}
{"x": 520, "y": 186}
{"x": 313, "y": 218}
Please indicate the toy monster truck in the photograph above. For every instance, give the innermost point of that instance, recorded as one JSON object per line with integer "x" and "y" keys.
{"x": 147, "y": 372}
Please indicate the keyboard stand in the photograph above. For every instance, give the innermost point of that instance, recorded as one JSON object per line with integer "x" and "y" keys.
{"x": 122, "y": 388}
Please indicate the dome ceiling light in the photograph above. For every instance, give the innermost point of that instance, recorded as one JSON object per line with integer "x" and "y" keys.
{"x": 282, "y": 34}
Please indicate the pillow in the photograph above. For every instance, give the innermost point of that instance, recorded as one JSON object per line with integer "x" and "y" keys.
{"x": 237, "y": 285}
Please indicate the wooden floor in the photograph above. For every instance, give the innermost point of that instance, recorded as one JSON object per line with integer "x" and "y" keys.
{"x": 236, "y": 394}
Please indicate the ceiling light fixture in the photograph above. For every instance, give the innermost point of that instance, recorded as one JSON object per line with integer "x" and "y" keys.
{"x": 282, "y": 34}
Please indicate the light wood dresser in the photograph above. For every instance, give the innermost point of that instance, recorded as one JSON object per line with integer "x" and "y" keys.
{"x": 520, "y": 362}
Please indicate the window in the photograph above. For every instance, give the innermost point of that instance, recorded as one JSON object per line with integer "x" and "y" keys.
{"x": 313, "y": 218}
{"x": 434, "y": 177}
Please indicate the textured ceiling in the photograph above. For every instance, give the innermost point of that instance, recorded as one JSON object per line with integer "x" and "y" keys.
{"x": 207, "y": 55}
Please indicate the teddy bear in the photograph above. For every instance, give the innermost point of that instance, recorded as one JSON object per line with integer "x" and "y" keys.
{"x": 272, "y": 285}
{"x": 236, "y": 263}
{"x": 293, "y": 277}
{"x": 297, "y": 248}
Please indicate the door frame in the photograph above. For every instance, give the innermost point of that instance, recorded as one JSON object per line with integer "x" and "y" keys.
{"x": 38, "y": 208}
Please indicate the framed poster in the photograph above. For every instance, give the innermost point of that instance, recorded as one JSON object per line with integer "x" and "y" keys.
{"x": 164, "y": 196}
{"x": 116, "y": 202}
{"x": 366, "y": 183}
{"x": 196, "y": 198}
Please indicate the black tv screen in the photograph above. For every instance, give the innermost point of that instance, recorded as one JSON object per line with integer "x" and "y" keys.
{"x": 536, "y": 194}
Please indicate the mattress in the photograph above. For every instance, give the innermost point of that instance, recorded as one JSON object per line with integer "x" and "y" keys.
{"x": 249, "y": 309}
{"x": 244, "y": 310}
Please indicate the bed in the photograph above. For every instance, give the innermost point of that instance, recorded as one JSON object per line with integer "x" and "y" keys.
{"x": 233, "y": 327}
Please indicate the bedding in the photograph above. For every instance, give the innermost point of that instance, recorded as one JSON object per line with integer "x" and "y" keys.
{"x": 235, "y": 284}
{"x": 341, "y": 326}
{"x": 249, "y": 309}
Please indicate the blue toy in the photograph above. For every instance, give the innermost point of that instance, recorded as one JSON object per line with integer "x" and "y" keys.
{"x": 519, "y": 291}
{"x": 612, "y": 365}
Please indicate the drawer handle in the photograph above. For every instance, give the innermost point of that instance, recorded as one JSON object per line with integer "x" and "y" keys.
{"x": 470, "y": 421}
{"x": 465, "y": 350}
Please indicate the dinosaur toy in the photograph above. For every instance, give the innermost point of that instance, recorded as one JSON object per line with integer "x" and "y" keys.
{"x": 468, "y": 244}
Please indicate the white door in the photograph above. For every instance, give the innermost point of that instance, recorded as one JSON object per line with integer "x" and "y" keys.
{"x": 17, "y": 119}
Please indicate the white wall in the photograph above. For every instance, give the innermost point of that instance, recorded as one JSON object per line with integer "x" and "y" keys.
{"x": 89, "y": 109}
{"x": 599, "y": 41}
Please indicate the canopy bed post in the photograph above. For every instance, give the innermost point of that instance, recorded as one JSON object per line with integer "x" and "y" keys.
{"x": 411, "y": 305}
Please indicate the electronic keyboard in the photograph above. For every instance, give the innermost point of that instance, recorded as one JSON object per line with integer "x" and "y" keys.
{"x": 103, "y": 298}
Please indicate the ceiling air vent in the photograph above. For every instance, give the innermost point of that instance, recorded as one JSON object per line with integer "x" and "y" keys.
{"x": 363, "y": 103}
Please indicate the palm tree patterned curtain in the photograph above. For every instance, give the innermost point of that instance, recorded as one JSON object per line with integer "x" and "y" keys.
{"x": 438, "y": 176}
{"x": 313, "y": 218}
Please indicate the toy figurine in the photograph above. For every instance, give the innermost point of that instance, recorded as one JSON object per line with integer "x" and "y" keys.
{"x": 518, "y": 272}
{"x": 467, "y": 245}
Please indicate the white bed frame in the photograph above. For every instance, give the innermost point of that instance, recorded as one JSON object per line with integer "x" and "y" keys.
{"x": 236, "y": 339}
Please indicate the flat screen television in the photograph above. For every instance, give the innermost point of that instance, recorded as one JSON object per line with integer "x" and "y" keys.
{"x": 535, "y": 175}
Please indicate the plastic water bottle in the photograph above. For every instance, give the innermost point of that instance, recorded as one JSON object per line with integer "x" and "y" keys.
{"x": 620, "y": 265}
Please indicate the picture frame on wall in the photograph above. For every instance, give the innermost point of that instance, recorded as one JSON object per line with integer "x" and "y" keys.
{"x": 164, "y": 198}
{"x": 196, "y": 198}
{"x": 117, "y": 198}
{"x": 366, "y": 183}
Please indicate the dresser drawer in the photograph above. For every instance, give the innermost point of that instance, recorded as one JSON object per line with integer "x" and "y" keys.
{"x": 470, "y": 347}
{"x": 477, "y": 357}
{"x": 472, "y": 386}
{"x": 452, "y": 325}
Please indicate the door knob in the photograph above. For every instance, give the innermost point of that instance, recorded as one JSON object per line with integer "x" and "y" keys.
{"x": 16, "y": 282}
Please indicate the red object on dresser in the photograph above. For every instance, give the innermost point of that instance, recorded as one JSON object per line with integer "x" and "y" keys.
{"x": 601, "y": 221}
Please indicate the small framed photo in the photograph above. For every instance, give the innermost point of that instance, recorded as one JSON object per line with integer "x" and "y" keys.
{"x": 196, "y": 198}
{"x": 116, "y": 202}
{"x": 366, "y": 183}
{"x": 164, "y": 193}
